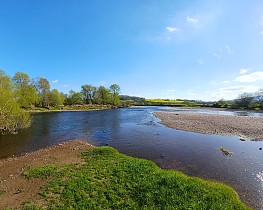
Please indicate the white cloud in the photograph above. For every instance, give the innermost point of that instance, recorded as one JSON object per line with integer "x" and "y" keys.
{"x": 171, "y": 29}
{"x": 172, "y": 90}
{"x": 228, "y": 49}
{"x": 212, "y": 83}
{"x": 192, "y": 20}
{"x": 255, "y": 76}
{"x": 261, "y": 32}
{"x": 216, "y": 55}
{"x": 231, "y": 92}
{"x": 243, "y": 70}
{"x": 64, "y": 86}
{"x": 55, "y": 81}
{"x": 200, "y": 61}
{"x": 239, "y": 89}
{"x": 226, "y": 82}
{"x": 191, "y": 94}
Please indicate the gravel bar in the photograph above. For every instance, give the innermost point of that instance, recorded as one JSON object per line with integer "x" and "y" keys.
{"x": 247, "y": 127}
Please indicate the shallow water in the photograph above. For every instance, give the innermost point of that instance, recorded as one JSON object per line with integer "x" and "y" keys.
{"x": 136, "y": 132}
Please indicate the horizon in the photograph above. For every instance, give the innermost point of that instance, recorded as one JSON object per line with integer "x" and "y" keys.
{"x": 194, "y": 50}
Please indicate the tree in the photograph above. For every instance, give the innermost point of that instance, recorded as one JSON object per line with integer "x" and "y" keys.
{"x": 115, "y": 94}
{"x": 55, "y": 98}
{"x": 243, "y": 100}
{"x": 25, "y": 91}
{"x": 5, "y": 81}
{"x": 12, "y": 117}
{"x": 103, "y": 95}
{"x": 74, "y": 98}
{"x": 43, "y": 87}
{"x": 222, "y": 103}
{"x": 259, "y": 98}
{"x": 89, "y": 93}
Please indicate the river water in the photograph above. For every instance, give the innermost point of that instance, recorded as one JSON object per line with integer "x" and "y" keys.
{"x": 136, "y": 132}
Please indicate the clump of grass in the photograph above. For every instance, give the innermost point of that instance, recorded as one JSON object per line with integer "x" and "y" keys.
{"x": 226, "y": 152}
{"x": 30, "y": 205}
{"x": 110, "y": 180}
{"x": 2, "y": 192}
{"x": 47, "y": 171}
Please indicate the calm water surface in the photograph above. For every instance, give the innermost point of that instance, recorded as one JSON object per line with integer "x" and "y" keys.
{"x": 136, "y": 132}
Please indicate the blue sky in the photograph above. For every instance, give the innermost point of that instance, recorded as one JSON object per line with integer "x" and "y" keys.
{"x": 195, "y": 49}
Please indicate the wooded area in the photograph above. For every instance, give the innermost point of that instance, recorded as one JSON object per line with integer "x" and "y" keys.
{"x": 21, "y": 93}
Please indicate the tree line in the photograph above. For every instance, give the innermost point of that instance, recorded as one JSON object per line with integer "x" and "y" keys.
{"x": 20, "y": 92}
{"x": 250, "y": 100}
{"x": 253, "y": 101}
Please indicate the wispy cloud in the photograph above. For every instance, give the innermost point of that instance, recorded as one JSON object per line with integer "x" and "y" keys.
{"x": 55, "y": 81}
{"x": 216, "y": 55}
{"x": 231, "y": 92}
{"x": 212, "y": 83}
{"x": 200, "y": 61}
{"x": 171, "y": 90}
{"x": 239, "y": 89}
{"x": 228, "y": 49}
{"x": 171, "y": 29}
{"x": 243, "y": 70}
{"x": 192, "y": 21}
{"x": 253, "y": 77}
{"x": 64, "y": 86}
{"x": 226, "y": 82}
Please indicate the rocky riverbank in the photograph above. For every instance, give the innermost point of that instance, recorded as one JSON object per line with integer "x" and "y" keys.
{"x": 248, "y": 128}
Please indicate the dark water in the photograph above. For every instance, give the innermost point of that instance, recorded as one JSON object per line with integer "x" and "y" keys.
{"x": 136, "y": 132}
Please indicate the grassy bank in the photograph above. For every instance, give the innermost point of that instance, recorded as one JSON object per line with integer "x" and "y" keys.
{"x": 72, "y": 108}
{"x": 110, "y": 180}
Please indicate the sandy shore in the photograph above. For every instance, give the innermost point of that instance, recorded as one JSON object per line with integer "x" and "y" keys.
{"x": 15, "y": 189}
{"x": 243, "y": 126}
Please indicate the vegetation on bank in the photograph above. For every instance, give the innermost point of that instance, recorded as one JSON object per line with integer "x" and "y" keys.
{"x": 110, "y": 180}
{"x": 12, "y": 117}
{"x": 169, "y": 102}
{"x": 22, "y": 93}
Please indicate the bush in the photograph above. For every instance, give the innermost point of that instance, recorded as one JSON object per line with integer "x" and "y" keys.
{"x": 12, "y": 117}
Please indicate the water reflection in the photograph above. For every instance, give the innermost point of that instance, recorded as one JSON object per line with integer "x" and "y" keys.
{"x": 136, "y": 132}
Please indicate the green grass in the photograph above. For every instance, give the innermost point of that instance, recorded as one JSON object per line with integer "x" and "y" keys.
{"x": 2, "y": 192}
{"x": 110, "y": 180}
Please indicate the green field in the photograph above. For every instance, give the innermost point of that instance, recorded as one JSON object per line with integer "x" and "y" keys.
{"x": 168, "y": 102}
{"x": 110, "y": 180}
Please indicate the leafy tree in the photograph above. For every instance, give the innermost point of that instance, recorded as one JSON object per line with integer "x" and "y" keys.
{"x": 25, "y": 91}
{"x": 74, "y": 98}
{"x": 115, "y": 94}
{"x": 244, "y": 100}
{"x": 221, "y": 103}
{"x": 43, "y": 87}
{"x": 5, "y": 81}
{"x": 62, "y": 97}
{"x": 55, "y": 98}
{"x": 89, "y": 93}
{"x": 259, "y": 98}
{"x": 103, "y": 95}
{"x": 12, "y": 117}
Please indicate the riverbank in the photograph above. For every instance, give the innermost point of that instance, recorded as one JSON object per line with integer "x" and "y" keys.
{"x": 15, "y": 189}
{"x": 102, "y": 178}
{"x": 86, "y": 107}
{"x": 247, "y": 127}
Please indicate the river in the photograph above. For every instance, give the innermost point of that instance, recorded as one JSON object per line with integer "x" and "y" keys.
{"x": 136, "y": 132}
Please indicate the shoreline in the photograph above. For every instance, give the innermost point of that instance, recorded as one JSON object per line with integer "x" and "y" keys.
{"x": 246, "y": 127}
{"x": 15, "y": 189}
